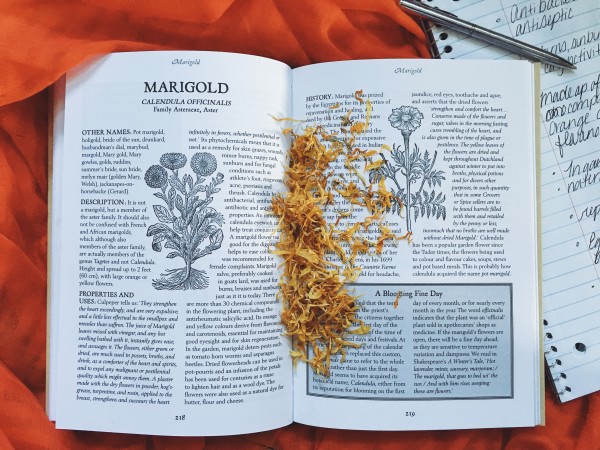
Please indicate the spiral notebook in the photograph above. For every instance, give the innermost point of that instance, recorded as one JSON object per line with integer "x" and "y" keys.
{"x": 570, "y": 167}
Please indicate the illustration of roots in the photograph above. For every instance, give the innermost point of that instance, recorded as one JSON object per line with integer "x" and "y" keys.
{"x": 186, "y": 222}
{"x": 412, "y": 168}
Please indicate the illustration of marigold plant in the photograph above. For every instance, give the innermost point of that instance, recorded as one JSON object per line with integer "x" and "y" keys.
{"x": 413, "y": 167}
{"x": 186, "y": 222}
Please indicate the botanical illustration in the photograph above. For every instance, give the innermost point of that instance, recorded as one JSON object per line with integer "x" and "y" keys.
{"x": 188, "y": 225}
{"x": 414, "y": 169}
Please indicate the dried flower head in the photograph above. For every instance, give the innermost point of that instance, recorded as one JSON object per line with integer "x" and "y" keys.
{"x": 156, "y": 177}
{"x": 406, "y": 118}
{"x": 203, "y": 164}
{"x": 173, "y": 161}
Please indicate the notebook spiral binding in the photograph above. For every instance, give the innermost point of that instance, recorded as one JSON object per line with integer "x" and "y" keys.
{"x": 428, "y": 28}
{"x": 436, "y": 37}
{"x": 554, "y": 365}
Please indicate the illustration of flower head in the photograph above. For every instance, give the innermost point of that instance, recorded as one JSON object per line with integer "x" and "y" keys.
{"x": 173, "y": 161}
{"x": 156, "y": 177}
{"x": 406, "y": 118}
{"x": 203, "y": 164}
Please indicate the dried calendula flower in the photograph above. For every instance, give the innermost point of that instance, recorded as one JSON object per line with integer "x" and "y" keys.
{"x": 397, "y": 299}
{"x": 358, "y": 95}
{"x": 319, "y": 256}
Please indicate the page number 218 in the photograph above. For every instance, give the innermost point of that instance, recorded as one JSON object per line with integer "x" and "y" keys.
{"x": 181, "y": 417}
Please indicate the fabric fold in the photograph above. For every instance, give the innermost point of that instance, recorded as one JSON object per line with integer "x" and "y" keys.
{"x": 40, "y": 41}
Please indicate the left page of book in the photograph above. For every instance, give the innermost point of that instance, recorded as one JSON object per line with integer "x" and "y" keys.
{"x": 164, "y": 316}
{"x": 55, "y": 146}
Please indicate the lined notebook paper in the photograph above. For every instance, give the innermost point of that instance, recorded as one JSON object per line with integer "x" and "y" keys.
{"x": 570, "y": 167}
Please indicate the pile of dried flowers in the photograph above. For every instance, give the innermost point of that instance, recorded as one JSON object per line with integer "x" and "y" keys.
{"x": 319, "y": 311}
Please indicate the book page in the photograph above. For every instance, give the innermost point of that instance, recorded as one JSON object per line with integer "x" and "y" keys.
{"x": 163, "y": 283}
{"x": 570, "y": 112}
{"x": 56, "y": 144}
{"x": 454, "y": 315}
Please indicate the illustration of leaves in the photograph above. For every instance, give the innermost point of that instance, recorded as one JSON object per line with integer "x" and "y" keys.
{"x": 199, "y": 214}
{"x": 179, "y": 204}
{"x": 192, "y": 204}
{"x": 158, "y": 228}
{"x": 197, "y": 188}
{"x": 416, "y": 199}
{"x": 163, "y": 214}
{"x": 171, "y": 198}
{"x": 173, "y": 254}
{"x": 198, "y": 237}
{"x": 429, "y": 205}
{"x": 219, "y": 219}
{"x": 206, "y": 228}
{"x": 426, "y": 161}
{"x": 435, "y": 177}
{"x": 200, "y": 253}
{"x": 414, "y": 161}
{"x": 398, "y": 200}
{"x": 179, "y": 225}
{"x": 415, "y": 156}
{"x": 195, "y": 221}
{"x": 211, "y": 188}
{"x": 398, "y": 157}
{"x": 173, "y": 243}
{"x": 415, "y": 173}
{"x": 156, "y": 242}
{"x": 216, "y": 239}
{"x": 161, "y": 196}
{"x": 397, "y": 203}
{"x": 174, "y": 181}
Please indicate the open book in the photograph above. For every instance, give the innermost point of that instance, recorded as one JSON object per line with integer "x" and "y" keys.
{"x": 569, "y": 168}
{"x": 163, "y": 310}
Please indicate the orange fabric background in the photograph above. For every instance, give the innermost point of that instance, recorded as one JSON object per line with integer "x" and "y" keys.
{"x": 39, "y": 41}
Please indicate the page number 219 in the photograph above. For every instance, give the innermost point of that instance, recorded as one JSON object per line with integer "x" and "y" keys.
{"x": 410, "y": 414}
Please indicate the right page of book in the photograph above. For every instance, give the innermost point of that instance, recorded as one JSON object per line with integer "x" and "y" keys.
{"x": 454, "y": 314}
{"x": 570, "y": 109}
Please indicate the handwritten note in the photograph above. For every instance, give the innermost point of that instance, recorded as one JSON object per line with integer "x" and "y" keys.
{"x": 570, "y": 168}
